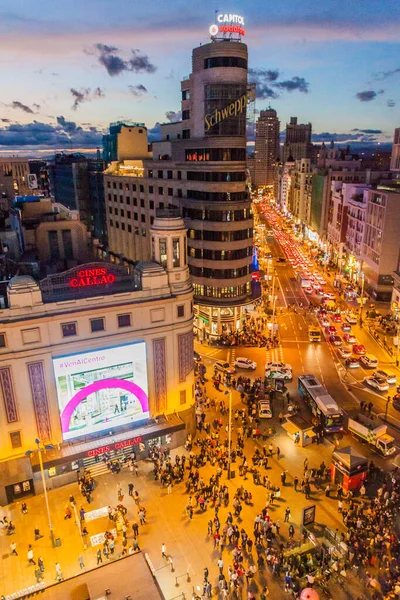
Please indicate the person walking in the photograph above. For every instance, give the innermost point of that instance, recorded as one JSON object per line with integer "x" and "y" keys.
{"x": 295, "y": 483}
{"x": 205, "y": 574}
{"x": 130, "y": 489}
{"x": 278, "y": 452}
{"x": 82, "y": 513}
{"x": 287, "y": 515}
{"x": 135, "y": 544}
{"x": 141, "y": 516}
{"x": 119, "y": 492}
{"x": 37, "y": 533}
{"x": 220, "y": 564}
{"x": 163, "y": 550}
{"x": 31, "y": 560}
{"x": 169, "y": 489}
{"x": 59, "y": 575}
{"x": 283, "y": 477}
{"x": 40, "y": 563}
{"x": 13, "y": 548}
{"x": 99, "y": 557}
{"x": 135, "y": 529}
{"x": 81, "y": 563}
{"x": 24, "y": 508}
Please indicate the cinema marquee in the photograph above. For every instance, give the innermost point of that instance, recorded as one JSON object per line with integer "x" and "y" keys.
{"x": 91, "y": 277}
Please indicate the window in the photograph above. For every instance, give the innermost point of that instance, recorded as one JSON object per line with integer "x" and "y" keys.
{"x": 151, "y": 220}
{"x": 185, "y": 95}
{"x": 110, "y": 210}
{"x": 15, "y": 439}
{"x": 122, "y": 212}
{"x": 142, "y": 203}
{"x": 134, "y": 187}
{"x": 97, "y": 325}
{"x": 127, "y": 187}
{"x": 128, "y": 201}
{"x": 169, "y": 174}
{"x": 151, "y": 189}
{"x": 120, "y": 186}
{"x": 117, "y": 224}
{"x": 2, "y": 340}
{"x": 179, "y": 193}
{"x": 185, "y": 115}
{"x": 144, "y": 233}
{"x": 161, "y": 190}
{"x": 179, "y": 174}
{"x": 66, "y": 236}
{"x": 160, "y": 174}
{"x": 136, "y": 216}
{"x": 129, "y": 228}
{"x": 181, "y": 310}
{"x": 143, "y": 218}
{"x": 161, "y": 205}
{"x": 141, "y": 188}
{"x": 151, "y": 204}
{"x": 135, "y": 202}
{"x": 54, "y": 246}
{"x": 150, "y": 173}
{"x": 170, "y": 192}
{"x": 176, "y": 252}
{"x": 68, "y": 329}
{"x": 124, "y": 320}
{"x": 216, "y": 154}
{"x": 225, "y": 61}
{"x": 163, "y": 251}
{"x": 128, "y": 214}
{"x": 186, "y": 134}
{"x": 114, "y": 185}
{"x": 123, "y": 226}
{"x": 121, "y": 199}
{"x": 116, "y": 211}
{"x": 111, "y": 223}
{"x": 182, "y": 397}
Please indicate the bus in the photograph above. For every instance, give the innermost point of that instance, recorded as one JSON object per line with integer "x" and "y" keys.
{"x": 314, "y": 333}
{"x": 304, "y": 280}
{"x": 322, "y": 405}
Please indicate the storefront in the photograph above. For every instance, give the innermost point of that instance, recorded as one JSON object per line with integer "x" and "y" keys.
{"x": 348, "y": 468}
{"x": 61, "y": 466}
{"x": 299, "y": 430}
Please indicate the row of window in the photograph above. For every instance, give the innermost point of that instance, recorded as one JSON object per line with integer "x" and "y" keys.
{"x": 225, "y": 61}
{"x": 218, "y": 196}
{"x": 221, "y": 236}
{"x": 216, "y": 154}
{"x": 220, "y": 254}
{"x": 217, "y": 215}
{"x": 208, "y": 291}
{"x": 216, "y": 176}
{"x": 220, "y": 273}
{"x": 128, "y": 227}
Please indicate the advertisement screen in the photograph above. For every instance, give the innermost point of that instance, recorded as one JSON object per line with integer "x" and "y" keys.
{"x": 102, "y": 389}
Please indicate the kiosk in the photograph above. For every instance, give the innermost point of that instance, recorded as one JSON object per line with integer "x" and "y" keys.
{"x": 349, "y": 468}
{"x": 301, "y": 431}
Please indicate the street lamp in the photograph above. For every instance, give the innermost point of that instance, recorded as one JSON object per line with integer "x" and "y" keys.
{"x": 362, "y": 298}
{"x": 39, "y": 451}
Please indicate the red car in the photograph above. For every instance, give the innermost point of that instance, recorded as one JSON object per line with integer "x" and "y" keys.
{"x": 331, "y": 330}
{"x": 350, "y": 338}
{"x": 359, "y": 349}
{"x": 337, "y": 318}
{"x": 336, "y": 340}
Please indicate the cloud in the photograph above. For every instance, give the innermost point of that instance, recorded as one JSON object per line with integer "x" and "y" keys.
{"x": 391, "y": 103}
{"x": 173, "y": 116}
{"x": 268, "y": 84}
{"x": 155, "y": 132}
{"x": 85, "y": 95}
{"x": 115, "y": 64}
{"x": 18, "y": 105}
{"x": 138, "y": 90}
{"x": 358, "y": 136}
{"x": 61, "y": 134}
{"x": 376, "y": 131}
{"x": 5, "y": 120}
{"x": 368, "y": 95}
{"x": 296, "y": 83}
{"x": 386, "y": 74}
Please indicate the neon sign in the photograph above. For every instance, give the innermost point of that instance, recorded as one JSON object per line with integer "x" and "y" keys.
{"x": 115, "y": 446}
{"x": 228, "y": 23}
{"x": 91, "y": 277}
{"x": 231, "y": 110}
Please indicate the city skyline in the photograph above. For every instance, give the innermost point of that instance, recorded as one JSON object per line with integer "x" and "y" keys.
{"x": 68, "y": 72}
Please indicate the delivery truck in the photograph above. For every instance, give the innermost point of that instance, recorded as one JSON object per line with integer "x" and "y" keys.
{"x": 372, "y": 432}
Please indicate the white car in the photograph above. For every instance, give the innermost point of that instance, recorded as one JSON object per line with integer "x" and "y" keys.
{"x": 264, "y": 410}
{"x": 245, "y": 363}
{"x": 225, "y": 367}
{"x": 378, "y": 383}
{"x": 329, "y": 296}
{"x": 369, "y": 361}
{"x": 325, "y": 322}
{"x": 278, "y": 374}
{"x": 352, "y": 319}
{"x": 321, "y": 281}
{"x": 278, "y": 365}
{"x": 389, "y": 377}
{"x": 344, "y": 351}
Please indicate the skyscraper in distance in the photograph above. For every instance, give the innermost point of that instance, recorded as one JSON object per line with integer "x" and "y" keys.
{"x": 298, "y": 140}
{"x": 266, "y": 147}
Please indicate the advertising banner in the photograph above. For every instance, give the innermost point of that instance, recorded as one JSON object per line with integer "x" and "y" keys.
{"x": 101, "y": 389}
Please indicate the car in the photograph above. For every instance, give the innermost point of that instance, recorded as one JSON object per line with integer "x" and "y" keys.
{"x": 352, "y": 362}
{"x": 316, "y": 287}
{"x": 245, "y": 363}
{"x": 344, "y": 351}
{"x": 325, "y": 322}
{"x": 378, "y": 383}
{"x": 336, "y": 318}
{"x": 308, "y": 290}
{"x": 322, "y": 281}
{"x": 331, "y": 329}
{"x": 346, "y": 327}
{"x": 264, "y": 410}
{"x": 225, "y": 367}
{"x": 350, "y": 338}
{"x": 351, "y": 318}
{"x": 329, "y": 296}
{"x": 196, "y": 356}
{"x": 336, "y": 340}
{"x": 278, "y": 365}
{"x": 369, "y": 361}
{"x": 359, "y": 349}
{"x": 389, "y": 377}
{"x": 278, "y": 374}
{"x": 280, "y": 259}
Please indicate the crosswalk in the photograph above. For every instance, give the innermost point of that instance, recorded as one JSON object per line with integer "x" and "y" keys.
{"x": 274, "y": 355}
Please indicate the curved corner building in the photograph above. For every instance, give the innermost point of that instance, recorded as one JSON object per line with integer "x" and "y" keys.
{"x": 216, "y": 204}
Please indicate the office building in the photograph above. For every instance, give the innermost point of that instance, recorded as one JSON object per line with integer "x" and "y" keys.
{"x": 125, "y": 141}
{"x": 95, "y": 360}
{"x": 267, "y": 150}
{"x": 297, "y": 140}
{"x": 18, "y": 168}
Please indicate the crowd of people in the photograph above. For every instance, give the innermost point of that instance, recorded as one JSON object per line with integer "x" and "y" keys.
{"x": 252, "y": 333}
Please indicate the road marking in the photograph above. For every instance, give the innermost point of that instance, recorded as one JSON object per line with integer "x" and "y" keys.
{"x": 300, "y": 327}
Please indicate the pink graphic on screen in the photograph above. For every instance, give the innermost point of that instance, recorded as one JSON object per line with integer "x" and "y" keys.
{"x": 128, "y": 386}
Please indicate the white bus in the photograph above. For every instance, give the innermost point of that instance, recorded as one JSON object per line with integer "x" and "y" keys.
{"x": 322, "y": 405}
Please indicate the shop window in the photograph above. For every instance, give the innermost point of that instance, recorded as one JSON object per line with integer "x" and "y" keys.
{"x": 68, "y": 329}
{"x": 124, "y": 320}
{"x": 15, "y": 439}
{"x": 181, "y": 310}
{"x": 182, "y": 397}
{"x": 97, "y": 325}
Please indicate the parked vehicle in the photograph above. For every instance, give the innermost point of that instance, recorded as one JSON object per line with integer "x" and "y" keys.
{"x": 245, "y": 363}
{"x": 264, "y": 409}
{"x": 372, "y": 432}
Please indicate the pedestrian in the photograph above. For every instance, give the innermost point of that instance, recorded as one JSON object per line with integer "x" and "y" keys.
{"x": 81, "y": 563}
{"x": 305, "y": 465}
{"x": 59, "y": 575}
{"x": 291, "y": 531}
{"x": 205, "y": 574}
{"x": 40, "y": 563}
{"x": 111, "y": 545}
{"x": 163, "y": 550}
{"x": 130, "y": 489}
{"x": 169, "y": 488}
{"x": 287, "y": 515}
{"x": 13, "y": 548}
{"x": 24, "y": 508}
{"x": 283, "y": 477}
{"x": 31, "y": 560}
{"x": 119, "y": 492}
{"x": 37, "y": 533}
{"x": 82, "y": 513}
{"x": 135, "y": 544}
{"x": 99, "y": 557}
{"x": 135, "y": 529}
{"x": 295, "y": 483}
{"x": 67, "y": 514}
{"x": 278, "y": 452}
{"x": 72, "y": 500}
{"x": 38, "y": 575}
{"x": 141, "y": 516}
{"x": 220, "y": 564}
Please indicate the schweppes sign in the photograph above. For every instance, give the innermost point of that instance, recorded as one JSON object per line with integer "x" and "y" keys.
{"x": 230, "y": 110}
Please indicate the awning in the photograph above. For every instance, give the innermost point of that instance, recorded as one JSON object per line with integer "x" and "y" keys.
{"x": 290, "y": 428}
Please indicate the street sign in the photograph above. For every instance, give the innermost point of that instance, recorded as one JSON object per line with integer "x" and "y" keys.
{"x": 308, "y": 517}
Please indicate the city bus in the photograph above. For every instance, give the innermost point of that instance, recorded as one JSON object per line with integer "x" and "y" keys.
{"x": 304, "y": 280}
{"x": 314, "y": 333}
{"x": 322, "y": 405}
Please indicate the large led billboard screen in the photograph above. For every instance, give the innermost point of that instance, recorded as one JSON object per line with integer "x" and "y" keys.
{"x": 101, "y": 389}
